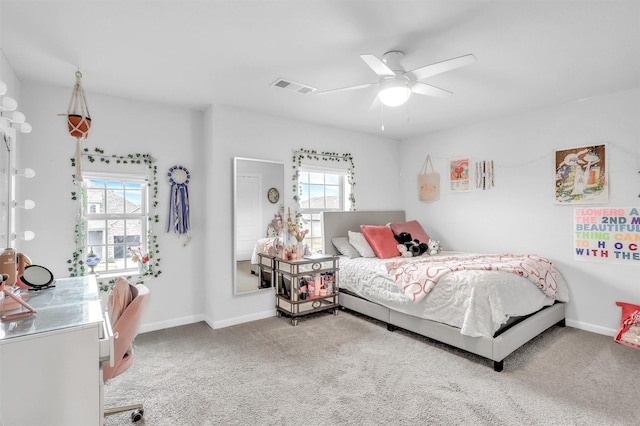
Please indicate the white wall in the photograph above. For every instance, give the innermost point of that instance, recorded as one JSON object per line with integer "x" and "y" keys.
{"x": 518, "y": 214}
{"x": 173, "y": 136}
{"x": 238, "y": 133}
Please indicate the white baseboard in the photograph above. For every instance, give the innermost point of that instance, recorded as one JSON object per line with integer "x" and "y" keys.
{"x": 175, "y": 322}
{"x": 239, "y": 320}
{"x": 592, "y": 328}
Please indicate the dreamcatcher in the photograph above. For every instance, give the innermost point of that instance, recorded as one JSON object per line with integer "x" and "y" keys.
{"x": 179, "y": 201}
{"x": 78, "y": 120}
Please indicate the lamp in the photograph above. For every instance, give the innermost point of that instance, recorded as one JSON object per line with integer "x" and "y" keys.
{"x": 394, "y": 92}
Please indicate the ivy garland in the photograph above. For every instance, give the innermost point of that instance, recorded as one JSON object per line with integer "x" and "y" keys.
{"x": 311, "y": 154}
{"x": 76, "y": 263}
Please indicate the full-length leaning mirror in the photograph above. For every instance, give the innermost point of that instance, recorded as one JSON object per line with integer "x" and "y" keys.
{"x": 258, "y": 187}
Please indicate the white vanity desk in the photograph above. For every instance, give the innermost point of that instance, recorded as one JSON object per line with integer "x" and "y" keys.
{"x": 50, "y": 361}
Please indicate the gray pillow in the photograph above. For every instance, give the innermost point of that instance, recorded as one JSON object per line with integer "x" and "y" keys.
{"x": 343, "y": 246}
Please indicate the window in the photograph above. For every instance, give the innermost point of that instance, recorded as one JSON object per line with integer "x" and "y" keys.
{"x": 320, "y": 189}
{"x": 116, "y": 217}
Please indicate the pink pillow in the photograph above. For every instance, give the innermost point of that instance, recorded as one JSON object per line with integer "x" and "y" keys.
{"x": 413, "y": 227}
{"x": 381, "y": 240}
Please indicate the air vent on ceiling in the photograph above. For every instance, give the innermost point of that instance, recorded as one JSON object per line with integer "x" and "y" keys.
{"x": 293, "y": 86}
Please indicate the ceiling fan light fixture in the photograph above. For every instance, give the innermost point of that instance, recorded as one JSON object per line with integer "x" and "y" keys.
{"x": 394, "y": 92}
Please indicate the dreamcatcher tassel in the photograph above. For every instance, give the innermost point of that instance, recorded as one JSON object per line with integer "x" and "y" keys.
{"x": 178, "y": 210}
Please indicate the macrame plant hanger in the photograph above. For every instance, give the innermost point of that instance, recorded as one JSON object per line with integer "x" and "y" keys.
{"x": 78, "y": 121}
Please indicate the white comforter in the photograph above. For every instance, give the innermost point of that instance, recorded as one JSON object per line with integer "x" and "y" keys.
{"x": 476, "y": 301}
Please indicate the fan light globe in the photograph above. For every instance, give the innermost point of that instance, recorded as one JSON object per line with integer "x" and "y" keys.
{"x": 394, "y": 92}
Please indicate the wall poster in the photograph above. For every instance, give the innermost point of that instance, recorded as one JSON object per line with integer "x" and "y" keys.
{"x": 609, "y": 234}
{"x": 581, "y": 175}
{"x": 459, "y": 175}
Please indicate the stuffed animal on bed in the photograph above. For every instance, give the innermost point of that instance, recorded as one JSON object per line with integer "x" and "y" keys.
{"x": 411, "y": 246}
{"x": 434, "y": 247}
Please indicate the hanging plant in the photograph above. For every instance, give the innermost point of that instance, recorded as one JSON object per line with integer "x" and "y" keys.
{"x": 311, "y": 154}
{"x": 76, "y": 262}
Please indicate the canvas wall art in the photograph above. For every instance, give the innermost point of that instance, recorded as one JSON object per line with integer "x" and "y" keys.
{"x": 581, "y": 175}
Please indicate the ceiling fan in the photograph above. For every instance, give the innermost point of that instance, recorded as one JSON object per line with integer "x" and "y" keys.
{"x": 396, "y": 85}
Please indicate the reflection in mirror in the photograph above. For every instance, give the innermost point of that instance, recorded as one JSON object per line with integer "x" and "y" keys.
{"x": 258, "y": 187}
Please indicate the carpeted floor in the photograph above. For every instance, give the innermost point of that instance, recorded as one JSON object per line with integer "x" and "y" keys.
{"x": 349, "y": 370}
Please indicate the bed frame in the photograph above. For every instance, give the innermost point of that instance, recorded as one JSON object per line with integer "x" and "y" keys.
{"x": 497, "y": 348}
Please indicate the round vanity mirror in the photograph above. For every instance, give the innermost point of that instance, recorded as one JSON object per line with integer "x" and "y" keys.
{"x": 37, "y": 277}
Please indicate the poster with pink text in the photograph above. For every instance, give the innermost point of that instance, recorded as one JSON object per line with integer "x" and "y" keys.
{"x": 609, "y": 234}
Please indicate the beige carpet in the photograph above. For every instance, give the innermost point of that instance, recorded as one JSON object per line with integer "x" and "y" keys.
{"x": 346, "y": 369}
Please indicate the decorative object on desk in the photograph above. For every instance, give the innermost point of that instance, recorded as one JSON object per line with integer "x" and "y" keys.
{"x": 78, "y": 120}
{"x": 37, "y": 277}
{"x": 92, "y": 261}
{"x": 295, "y": 227}
{"x": 8, "y": 293}
{"x": 178, "y": 219}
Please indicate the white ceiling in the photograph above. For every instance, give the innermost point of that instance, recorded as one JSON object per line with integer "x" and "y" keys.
{"x": 530, "y": 54}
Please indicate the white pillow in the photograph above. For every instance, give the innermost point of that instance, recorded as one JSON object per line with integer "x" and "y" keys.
{"x": 357, "y": 240}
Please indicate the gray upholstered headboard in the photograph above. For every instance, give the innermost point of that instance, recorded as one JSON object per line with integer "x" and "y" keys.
{"x": 336, "y": 224}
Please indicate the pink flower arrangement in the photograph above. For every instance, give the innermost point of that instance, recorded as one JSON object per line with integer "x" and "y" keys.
{"x": 294, "y": 229}
{"x": 137, "y": 256}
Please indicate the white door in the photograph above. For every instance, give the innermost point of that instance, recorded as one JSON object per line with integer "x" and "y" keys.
{"x": 248, "y": 214}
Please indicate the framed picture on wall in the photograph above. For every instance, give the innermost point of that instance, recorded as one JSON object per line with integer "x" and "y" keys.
{"x": 459, "y": 175}
{"x": 581, "y": 175}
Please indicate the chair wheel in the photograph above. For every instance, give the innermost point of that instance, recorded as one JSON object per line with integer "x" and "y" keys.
{"x": 136, "y": 415}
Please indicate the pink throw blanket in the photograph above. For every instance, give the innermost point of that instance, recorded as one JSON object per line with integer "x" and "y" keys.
{"x": 417, "y": 278}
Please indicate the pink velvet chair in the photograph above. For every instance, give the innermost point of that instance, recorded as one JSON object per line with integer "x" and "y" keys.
{"x": 126, "y": 307}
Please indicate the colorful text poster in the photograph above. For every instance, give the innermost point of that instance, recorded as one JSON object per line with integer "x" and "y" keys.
{"x": 581, "y": 175}
{"x": 459, "y": 174}
{"x": 607, "y": 234}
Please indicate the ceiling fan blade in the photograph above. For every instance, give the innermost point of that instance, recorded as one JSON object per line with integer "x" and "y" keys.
{"x": 440, "y": 67}
{"x": 343, "y": 89}
{"x": 378, "y": 66}
{"x": 375, "y": 103}
{"x": 428, "y": 90}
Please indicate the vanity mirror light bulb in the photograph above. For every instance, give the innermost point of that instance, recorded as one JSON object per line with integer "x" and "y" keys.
{"x": 26, "y": 235}
{"x": 8, "y": 104}
{"x": 15, "y": 116}
{"x": 3, "y": 87}
{"x": 22, "y": 127}
{"x": 26, "y": 172}
{"x": 26, "y": 204}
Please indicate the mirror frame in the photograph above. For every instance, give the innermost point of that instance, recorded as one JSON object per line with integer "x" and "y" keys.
{"x": 234, "y": 243}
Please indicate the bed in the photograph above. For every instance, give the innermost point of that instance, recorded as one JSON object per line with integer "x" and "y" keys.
{"x": 456, "y": 309}
{"x": 262, "y": 246}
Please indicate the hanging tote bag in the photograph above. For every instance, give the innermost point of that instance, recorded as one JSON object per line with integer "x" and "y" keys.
{"x": 428, "y": 182}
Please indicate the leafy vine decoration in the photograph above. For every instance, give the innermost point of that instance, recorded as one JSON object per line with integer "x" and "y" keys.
{"x": 76, "y": 263}
{"x": 312, "y": 154}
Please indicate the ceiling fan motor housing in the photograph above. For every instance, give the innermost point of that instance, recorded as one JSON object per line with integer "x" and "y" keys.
{"x": 392, "y": 60}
